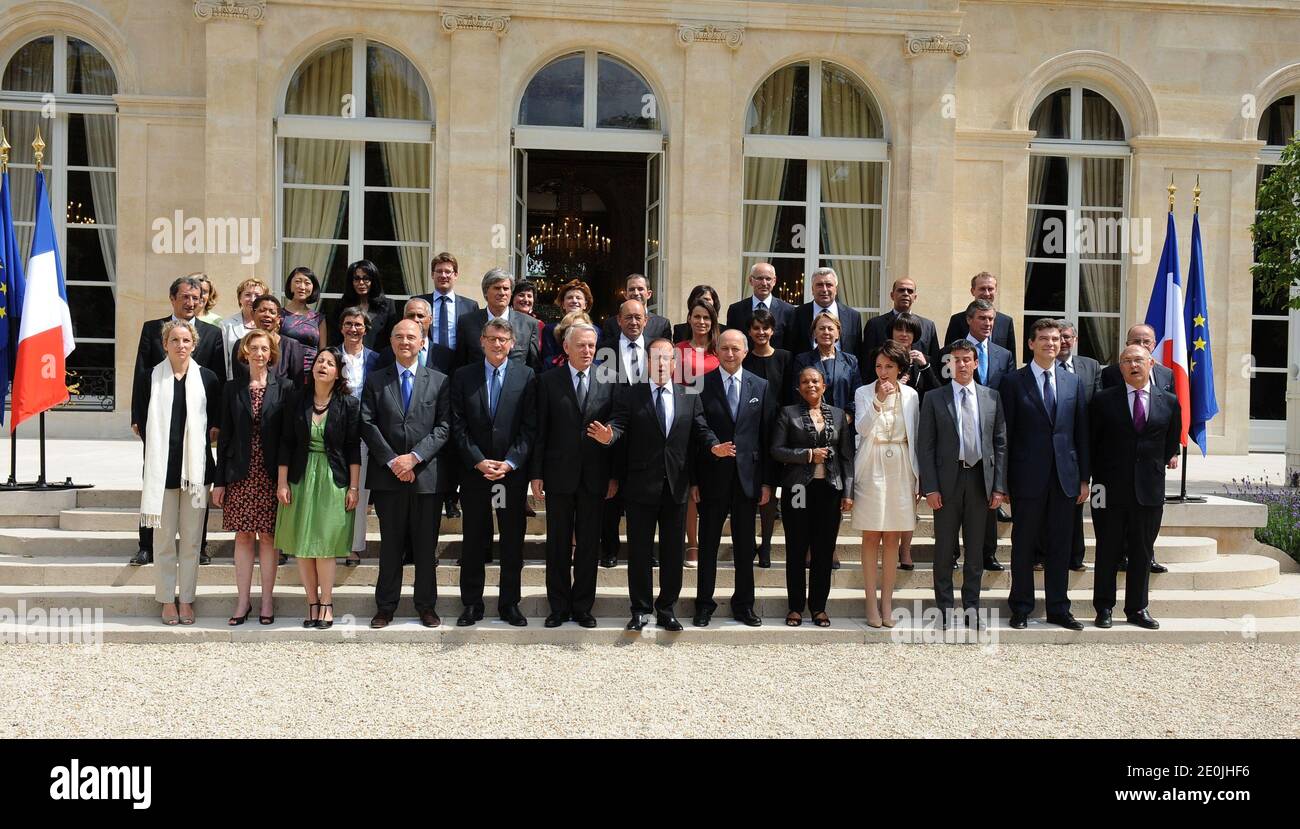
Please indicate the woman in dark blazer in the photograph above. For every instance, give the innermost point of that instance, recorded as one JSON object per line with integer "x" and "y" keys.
{"x": 682, "y": 330}
{"x": 814, "y": 443}
{"x": 838, "y": 368}
{"x": 773, "y": 365}
{"x": 251, "y": 419}
{"x": 365, "y": 290}
{"x": 921, "y": 375}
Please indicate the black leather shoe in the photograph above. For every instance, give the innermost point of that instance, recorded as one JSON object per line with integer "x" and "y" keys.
{"x": 511, "y": 615}
{"x": 992, "y": 564}
{"x": 668, "y": 622}
{"x": 585, "y": 620}
{"x": 141, "y": 558}
{"x": 380, "y": 620}
{"x": 284, "y": 559}
{"x": 556, "y": 619}
{"x": 972, "y": 618}
{"x": 469, "y": 616}
{"x": 1122, "y": 566}
{"x": 749, "y": 617}
{"x": 1066, "y": 621}
{"x": 637, "y": 621}
{"x": 204, "y": 558}
{"x": 903, "y": 565}
{"x": 835, "y": 565}
{"x": 612, "y": 561}
{"x": 765, "y": 557}
{"x": 1142, "y": 619}
{"x": 1078, "y": 568}
{"x": 1157, "y": 567}
{"x": 451, "y": 508}
{"x": 1019, "y": 621}
{"x": 654, "y": 561}
{"x": 702, "y": 618}
{"x": 1103, "y": 619}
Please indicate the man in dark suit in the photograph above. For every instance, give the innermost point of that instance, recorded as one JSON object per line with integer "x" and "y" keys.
{"x": 572, "y": 470}
{"x": 984, "y": 285}
{"x": 1047, "y": 473}
{"x": 497, "y": 286}
{"x": 1162, "y": 377}
{"x": 446, "y": 309}
{"x": 878, "y": 328}
{"x": 962, "y": 451}
{"x": 762, "y": 279}
{"x": 658, "y": 427}
{"x": 825, "y": 290}
{"x": 740, "y": 409}
{"x": 494, "y": 424}
{"x": 186, "y": 297}
{"x": 622, "y": 360}
{"x": 1136, "y": 430}
{"x": 1088, "y": 371}
{"x": 405, "y": 422}
{"x": 637, "y": 289}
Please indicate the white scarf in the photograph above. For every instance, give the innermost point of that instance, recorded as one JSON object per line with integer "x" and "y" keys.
{"x": 194, "y": 444}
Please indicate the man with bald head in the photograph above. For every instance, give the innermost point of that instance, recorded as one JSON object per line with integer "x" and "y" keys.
{"x": 762, "y": 281}
{"x": 877, "y": 329}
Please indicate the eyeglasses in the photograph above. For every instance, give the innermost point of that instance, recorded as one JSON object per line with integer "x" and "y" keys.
{"x": 354, "y": 325}
{"x": 496, "y": 340}
{"x": 360, "y": 277}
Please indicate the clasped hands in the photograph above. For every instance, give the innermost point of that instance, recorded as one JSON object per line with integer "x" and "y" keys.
{"x": 403, "y": 467}
{"x": 492, "y": 470}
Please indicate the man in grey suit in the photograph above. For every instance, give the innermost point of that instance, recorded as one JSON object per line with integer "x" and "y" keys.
{"x": 498, "y": 285}
{"x": 962, "y": 452}
{"x": 1088, "y": 371}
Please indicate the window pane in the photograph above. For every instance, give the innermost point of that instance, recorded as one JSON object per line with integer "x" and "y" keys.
{"x": 1052, "y": 117}
{"x": 323, "y": 82}
{"x": 397, "y": 164}
{"x": 1268, "y": 342}
{"x": 780, "y": 106}
{"x": 1099, "y": 338}
{"x": 1260, "y": 305}
{"x": 88, "y": 71}
{"x": 31, "y": 69}
{"x": 315, "y": 161}
{"x": 87, "y": 252}
{"x": 772, "y": 229}
{"x": 20, "y": 130}
{"x": 1277, "y": 125}
{"x": 81, "y": 199}
{"x": 1049, "y": 179}
{"x": 394, "y": 88}
{"x": 1046, "y": 234}
{"x": 402, "y": 269}
{"x": 1045, "y": 286}
{"x": 328, "y": 262}
{"x": 852, "y": 182}
{"x": 92, "y": 310}
{"x": 859, "y": 281}
{"x": 1099, "y": 287}
{"x": 789, "y": 277}
{"x": 90, "y": 373}
{"x": 397, "y": 217}
{"x": 315, "y": 214}
{"x": 850, "y": 231}
{"x": 623, "y": 98}
{"x": 1103, "y": 182}
{"x": 554, "y": 97}
{"x": 848, "y": 110}
{"x": 92, "y": 140}
{"x": 1101, "y": 235}
{"x": 1268, "y": 396}
{"x": 1100, "y": 120}
{"x": 652, "y": 232}
{"x": 776, "y": 179}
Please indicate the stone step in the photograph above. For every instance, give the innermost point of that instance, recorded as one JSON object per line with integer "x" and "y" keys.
{"x": 1276, "y": 600}
{"x": 46, "y": 542}
{"x": 1221, "y": 572}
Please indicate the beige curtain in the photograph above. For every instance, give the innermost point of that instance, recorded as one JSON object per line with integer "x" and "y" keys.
{"x": 1037, "y": 179}
{"x": 101, "y": 150}
{"x": 765, "y": 177}
{"x": 1103, "y": 184}
{"x": 34, "y": 64}
{"x": 397, "y": 91}
{"x": 853, "y": 232}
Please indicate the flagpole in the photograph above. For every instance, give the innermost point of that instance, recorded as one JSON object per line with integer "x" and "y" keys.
{"x": 1182, "y": 497}
{"x": 12, "y": 483}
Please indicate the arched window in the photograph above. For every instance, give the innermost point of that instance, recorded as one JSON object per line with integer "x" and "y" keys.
{"x": 64, "y": 86}
{"x": 1078, "y": 194}
{"x": 355, "y": 152}
{"x": 816, "y": 182}
{"x": 589, "y": 90}
{"x": 1270, "y": 320}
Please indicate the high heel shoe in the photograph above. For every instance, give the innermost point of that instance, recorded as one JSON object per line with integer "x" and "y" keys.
{"x": 323, "y": 623}
{"x": 239, "y": 620}
{"x": 309, "y": 622}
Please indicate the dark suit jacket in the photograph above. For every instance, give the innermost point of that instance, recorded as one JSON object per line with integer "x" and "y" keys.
{"x": 840, "y": 388}
{"x": 507, "y": 437}
{"x": 1035, "y": 439}
{"x": 656, "y": 328}
{"x": 342, "y": 435}
{"x": 564, "y": 458}
{"x": 1131, "y": 465}
{"x": 213, "y": 385}
{"x": 1088, "y": 371}
{"x": 1001, "y": 363}
{"x": 751, "y": 431}
{"x": 235, "y": 443}
{"x": 440, "y": 356}
{"x": 526, "y": 350}
{"x": 791, "y": 442}
{"x": 798, "y": 335}
{"x": 209, "y": 353}
{"x": 938, "y": 447}
{"x": 1004, "y": 331}
{"x": 644, "y": 458}
{"x": 288, "y": 367}
{"x": 740, "y": 313}
{"x": 424, "y": 428}
{"x": 876, "y": 332}
{"x": 1162, "y": 377}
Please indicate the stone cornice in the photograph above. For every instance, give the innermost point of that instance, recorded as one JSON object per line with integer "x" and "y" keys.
{"x": 1289, "y": 8}
{"x": 160, "y": 106}
{"x": 475, "y": 22}
{"x": 1195, "y": 147}
{"x": 253, "y": 11}
{"x": 936, "y": 43}
{"x": 1017, "y": 140}
{"x": 732, "y": 35}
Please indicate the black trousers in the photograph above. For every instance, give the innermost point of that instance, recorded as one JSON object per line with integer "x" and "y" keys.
{"x": 611, "y": 515}
{"x": 713, "y": 512}
{"x": 670, "y": 517}
{"x": 964, "y": 511}
{"x": 408, "y": 520}
{"x": 988, "y": 542}
{"x": 814, "y": 525}
{"x": 1130, "y": 530}
{"x": 1047, "y": 517}
{"x": 478, "y": 500}
{"x": 570, "y": 570}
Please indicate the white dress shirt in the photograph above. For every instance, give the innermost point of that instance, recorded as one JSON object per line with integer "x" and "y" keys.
{"x": 623, "y": 342}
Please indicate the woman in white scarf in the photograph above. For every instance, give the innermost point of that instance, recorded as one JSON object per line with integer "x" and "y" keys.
{"x": 183, "y": 399}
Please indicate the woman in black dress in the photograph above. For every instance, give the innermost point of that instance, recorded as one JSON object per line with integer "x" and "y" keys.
{"x": 773, "y": 365}
{"x": 365, "y": 290}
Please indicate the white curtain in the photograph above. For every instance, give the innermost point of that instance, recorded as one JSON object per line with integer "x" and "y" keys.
{"x": 1038, "y": 166}
{"x": 765, "y": 177}
{"x": 1103, "y": 185}
{"x": 854, "y": 232}
{"x": 398, "y": 92}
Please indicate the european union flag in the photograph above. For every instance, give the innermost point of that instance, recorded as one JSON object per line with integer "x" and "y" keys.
{"x": 1200, "y": 365}
{"x": 12, "y": 287}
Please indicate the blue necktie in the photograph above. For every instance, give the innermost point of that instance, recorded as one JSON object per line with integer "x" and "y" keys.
{"x": 733, "y": 396}
{"x": 984, "y": 363}
{"x": 406, "y": 390}
{"x": 444, "y": 336}
{"x": 1049, "y": 396}
{"x": 494, "y": 392}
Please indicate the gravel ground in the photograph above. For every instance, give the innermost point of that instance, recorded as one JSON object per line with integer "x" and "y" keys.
{"x": 253, "y": 690}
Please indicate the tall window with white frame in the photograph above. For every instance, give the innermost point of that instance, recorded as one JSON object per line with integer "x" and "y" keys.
{"x": 355, "y": 157}
{"x": 64, "y": 86}
{"x": 1075, "y": 263}
{"x": 816, "y": 182}
{"x": 1270, "y": 321}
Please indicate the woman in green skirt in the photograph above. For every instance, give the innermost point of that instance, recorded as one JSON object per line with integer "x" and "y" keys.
{"x": 320, "y": 463}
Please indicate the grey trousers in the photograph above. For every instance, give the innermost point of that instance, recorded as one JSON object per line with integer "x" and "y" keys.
{"x": 965, "y": 511}
{"x": 177, "y": 564}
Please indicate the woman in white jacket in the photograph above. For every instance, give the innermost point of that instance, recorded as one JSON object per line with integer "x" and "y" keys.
{"x": 885, "y": 481}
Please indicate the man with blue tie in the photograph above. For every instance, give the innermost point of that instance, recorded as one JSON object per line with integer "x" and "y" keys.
{"x": 1047, "y": 473}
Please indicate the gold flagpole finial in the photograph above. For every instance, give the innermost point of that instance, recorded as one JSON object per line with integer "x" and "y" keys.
{"x": 38, "y": 149}
{"x": 1196, "y": 195}
{"x": 1172, "y": 190}
{"x": 4, "y": 151}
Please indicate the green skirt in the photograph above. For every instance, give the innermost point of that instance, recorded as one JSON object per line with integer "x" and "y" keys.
{"x": 315, "y": 524}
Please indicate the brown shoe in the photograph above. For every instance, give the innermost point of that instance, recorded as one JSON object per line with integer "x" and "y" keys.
{"x": 381, "y": 620}
{"x": 429, "y": 619}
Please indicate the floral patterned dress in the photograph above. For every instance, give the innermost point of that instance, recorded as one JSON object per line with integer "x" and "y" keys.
{"x": 250, "y": 504}
{"x": 305, "y": 328}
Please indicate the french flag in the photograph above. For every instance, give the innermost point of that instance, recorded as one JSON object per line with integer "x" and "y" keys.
{"x": 45, "y": 333}
{"x": 1165, "y": 316}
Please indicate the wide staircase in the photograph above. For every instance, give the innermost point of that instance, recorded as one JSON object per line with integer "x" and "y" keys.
{"x": 63, "y": 567}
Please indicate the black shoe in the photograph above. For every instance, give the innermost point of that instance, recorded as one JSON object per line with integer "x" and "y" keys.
{"x": 284, "y": 559}
{"x": 903, "y": 565}
{"x": 668, "y": 622}
{"x": 142, "y": 557}
{"x": 973, "y": 620}
{"x": 204, "y": 558}
{"x": 992, "y": 564}
{"x": 1019, "y": 621}
{"x": 956, "y": 564}
{"x": 451, "y": 508}
{"x": 748, "y": 617}
{"x": 585, "y": 620}
{"x": 469, "y": 616}
{"x": 321, "y": 624}
{"x": 611, "y": 561}
{"x": 1103, "y": 619}
{"x": 1066, "y": 621}
{"x": 765, "y": 557}
{"x": 1142, "y": 619}
{"x": 511, "y": 615}
{"x": 637, "y": 621}
{"x": 1079, "y": 568}
{"x": 556, "y": 619}
{"x": 406, "y": 559}
{"x": 654, "y": 561}
{"x": 702, "y": 618}
{"x": 835, "y": 565}
{"x": 1122, "y": 566}
{"x": 1157, "y": 567}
